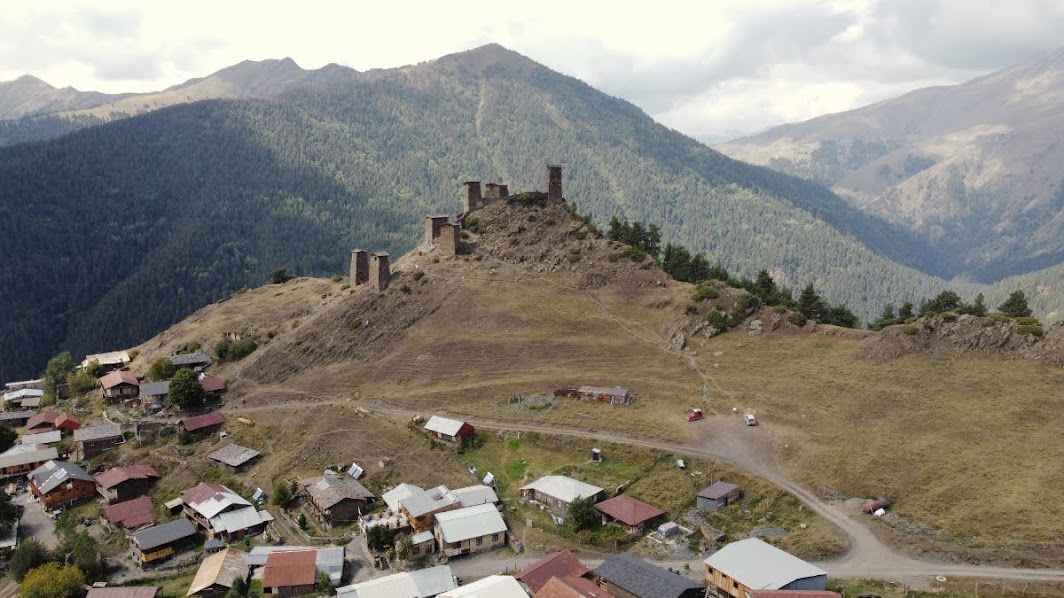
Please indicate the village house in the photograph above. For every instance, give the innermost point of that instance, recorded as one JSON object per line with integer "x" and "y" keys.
{"x": 630, "y": 577}
{"x": 615, "y": 395}
{"x": 717, "y": 495}
{"x": 422, "y": 583}
{"x": 25, "y": 398}
{"x": 234, "y": 456}
{"x": 154, "y": 395}
{"x": 15, "y": 419}
{"x": 470, "y": 530}
{"x": 420, "y": 509}
{"x": 203, "y": 425}
{"x": 125, "y": 592}
{"x": 42, "y": 438}
{"x": 67, "y": 422}
{"x": 555, "y": 564}
{"x": 290, "y": 573}
{"x": 42, "y": 422}
{"x": 197, "y": 360}
{"x": 328, "y": 560}
{"x": 216, "y": 573}
{"x": 632, "y": 514}
{"x": 557, "y": 492}
{"x": 120, "y": 385}
{"x": 160, "y": 542}
{"x": 451, "y": 431}
{"x": 495, "y": 586}
{"x": 91, "y": 441}
{"x": 13, "y": 386}
{"x": 129, "y": 515}
{"x": 58, "y": 484}
{"x": 752, "y": 564}
{"x": 336, "y": 499}
{"x": 213, "y": 387}
{"x": 120, "y": 484}
{"x": 113, "y": 360}
{"x": 222, "y": 513}
{"x": 471, "y": 496}
{"x": 23, "y": 458}
{"x": 393, "y": 497}
{"x": 571, "y": 587}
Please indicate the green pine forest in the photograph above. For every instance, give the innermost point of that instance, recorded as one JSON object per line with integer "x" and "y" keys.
{"x": 114, "y": 232}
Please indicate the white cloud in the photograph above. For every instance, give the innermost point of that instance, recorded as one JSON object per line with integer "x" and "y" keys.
{"x": 698, "y": 66}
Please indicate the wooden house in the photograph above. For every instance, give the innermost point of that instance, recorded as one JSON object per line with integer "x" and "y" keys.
{"x": 24, "y": 458}
{"x": 160, "y": 542}
{"x": 336, "y": 499}
{"x": 451, "y": 431}
{"x": 630, "y": 577}
{"x": 120, "y": 484}
{"x": 91, "y": 441}
{"x": 631, "y": 514}
{"x": 557, "y": 492}
{"x": 203, "y": 425}
{"x": 119, "y": 385}
{"x": 58, "y": 484}
{"x": 752, "y": 564}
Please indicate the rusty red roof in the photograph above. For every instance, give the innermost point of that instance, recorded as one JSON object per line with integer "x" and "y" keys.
{"x": 718, "y": 489}
{"x": 130, "y": 514}
{"x": 792, "y": 594}
{"x": 212, "y": 384}
{"x": 115, "y": 378}
{"x": 201, "y": 492}
{"x": 628, "y": 510}
{"x": 557, "y": 564}
{"x": 571, "y": 587}
{"x": 290, "y": 568}
{"x": 44, "y": 417}
{"x": 116, "y": 475}
{"x": 67, "y": 421}
{"x": 199, "y": 422}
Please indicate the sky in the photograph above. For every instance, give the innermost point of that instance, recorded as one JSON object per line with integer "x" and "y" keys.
{"x": 707, "y": 68}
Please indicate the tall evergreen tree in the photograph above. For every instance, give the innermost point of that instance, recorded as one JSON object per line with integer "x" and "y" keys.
{"x": 1015, "y": 306}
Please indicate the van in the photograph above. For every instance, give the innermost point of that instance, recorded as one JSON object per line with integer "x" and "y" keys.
{"x": 750, "y": 419}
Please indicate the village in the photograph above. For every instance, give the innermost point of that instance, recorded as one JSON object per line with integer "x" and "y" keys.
{"x": 330, "y": 534}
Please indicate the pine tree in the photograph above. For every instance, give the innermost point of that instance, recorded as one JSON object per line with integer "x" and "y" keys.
{"x": 1015, "y": 306}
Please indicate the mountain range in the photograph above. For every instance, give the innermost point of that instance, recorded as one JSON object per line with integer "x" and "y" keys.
{"x": 976, "y": 169}
{"x": 128, "y": 212}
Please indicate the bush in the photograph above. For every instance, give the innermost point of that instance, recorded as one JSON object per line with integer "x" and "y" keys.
{"x": 717, "y": 319}
{"x": 1028, "y": 321}
{"x": 336, "y": 278}
{"x": 797, "y": 318}
{"x": 280, "y": 276}
{"x": 303, "y": 521}
{"x": 80, "y": 382}
{"x": 691, "y": 309}
{"x": 582, "y": 514}
{"x": 472, "y": 223}
{"x": 405, "y": 288}
{"x": 995, "y": 318}
{"x": 230, "y": 350}
{"x": 1027, "y": 329}
{"x": 705, "y": 291}
{"x": 910, "y": 330}
{"x": 949, "y": 317}
{"x": 282, "y": 494}
{"x": 30, "y": 554}
{"x": 419, "y": 275}
{"x": 161, "y": 369}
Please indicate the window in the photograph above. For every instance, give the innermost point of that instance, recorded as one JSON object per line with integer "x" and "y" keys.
{"x": 495, "y": 537}
{"x": 480, "y": 540}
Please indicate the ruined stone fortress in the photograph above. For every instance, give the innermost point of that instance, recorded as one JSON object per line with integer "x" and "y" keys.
{"x": 441, "y": 232}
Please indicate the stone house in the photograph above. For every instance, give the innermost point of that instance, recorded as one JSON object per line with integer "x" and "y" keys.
{"x": 337, "y": 500}
{"x": 91, "y": 441}
{"x": 717, "y": 495}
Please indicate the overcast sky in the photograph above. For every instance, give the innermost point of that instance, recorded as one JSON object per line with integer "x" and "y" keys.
{"x": 703, "y": 67}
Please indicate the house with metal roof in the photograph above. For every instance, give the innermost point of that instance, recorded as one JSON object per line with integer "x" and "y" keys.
{"x": 328, "y": 560}
{"x": 222, "y": 513}
{"x": 632, "y": 514}
{"x": 235, "y": 456}
{"x": 470, "y": 530}
{"x": 451, "y": 431}
{"x": 571, "y": 587}
{"x": 154, "y": 395}
{"x": 336, "y": 499}
{"x": 471, "y": 496}
{"x": 111, "y": 360}
{"x": 201, "y": 425}
{"x": 717, "y": 495}
{"x": 196, "y": 360}
{"x": 67, "y": 421}
{"x": 23, "y": 458}
{"x": 120, "y": 484}
{"x": 23, "y": 398}
{"x": 93, "y": 440}
{"x": 420, "y": 509}
{"x": 423, "y": 583}
{"x": 626, "y": 575}
{"x": 494, "y": 586}
{"x": 213, "y": 387}
{"x": 290, "y": 573}
{"x": 59, "y": 484}
{"x": 555, "y": 564}
{"x": 753, "y": 564}
{"x": 37, "y": 383}
{"x": 397, "y": 494}
{"x": 45, "y": 438}
{"x": 119, "y": 385}
{"x": 129, "y": 515}
{"x": 216, "y": 573}
{"x": 160, "y": 542}
{"x": 125, "y": 592}
{"x": 16, "y": 419}
{"x": 42, "y": 422}
{"x": 557, "y": 492}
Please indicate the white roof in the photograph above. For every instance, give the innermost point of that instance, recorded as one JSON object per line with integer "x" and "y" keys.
{"x": 232, "y": 521}
{"x": 414, "y": 584}
{"x": 27, "y": 453}
{"x": 761, "y": 566}
{"x": 43, "y": 437}
{"x": 25, "y": 393}
{"x": 444, "y": 425}
{"x": 110, "y": 358}
{"x": 471, "y": 496}
{"x": 422, "y": 537}
{"x": 496, "y": 586}
{"x": 469, "y": 523}
{"x": 563, "y": 488}
{"x": 430, "y": 501}
{"x": 219, "y": 502}
{"x": 393, "y": 496}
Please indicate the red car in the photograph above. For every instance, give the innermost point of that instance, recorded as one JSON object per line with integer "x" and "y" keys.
{"x": 694, "y": 415}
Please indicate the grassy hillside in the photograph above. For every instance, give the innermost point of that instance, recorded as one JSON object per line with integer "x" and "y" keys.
{"x": 961, "y": 438}
{"x": 117, "y": 231}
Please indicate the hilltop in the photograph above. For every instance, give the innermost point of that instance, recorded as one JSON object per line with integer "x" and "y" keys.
{"x": 537, "y": 302}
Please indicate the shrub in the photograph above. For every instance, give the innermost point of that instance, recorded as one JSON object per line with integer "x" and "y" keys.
{"x": 910, "y": 330}
{"x": 705, "y": 291}
{"x": 1027, "y": 329}
{"x": 280, "y": 276}
{"x": 1028, "y": 321}
{"x": 797, "y": 318}
{"x": 573, "y": 258}
{"x": 230, "y": 350}
{"x": 691, "y": 309}
{"x": 613, "y": 257}
{"x": 717, "y": 319}
{"x": 581, "y": 234}
{"x": 336, "y": 278}
{"x": 635, "y": 254}
{"x": 472, "y": 223}
{"x": 30, "y": 554}
{"x": 345, "y": 286}
{"x": 995, "y": 318}
{"x": 405, "y": 288}
{"x": 161, "y": 369}
{"x": 949, "y": 317}
{"x": 303, "y": 521}
{"x": 419, "y": 275}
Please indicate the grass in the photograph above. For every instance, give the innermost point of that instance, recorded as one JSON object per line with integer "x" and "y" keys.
{"x": 951, "y": 588}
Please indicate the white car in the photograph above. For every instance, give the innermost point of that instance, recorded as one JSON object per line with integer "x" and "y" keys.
{"x": 750, "y": 419}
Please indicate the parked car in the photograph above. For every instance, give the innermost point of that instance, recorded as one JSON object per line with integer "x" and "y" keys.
{"x": 750, "y": 419}
{"x": 694, "y": 415}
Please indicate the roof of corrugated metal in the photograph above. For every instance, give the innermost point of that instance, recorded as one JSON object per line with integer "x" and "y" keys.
{"x": 556, "y": 564}
{"x": 117, "y": 377}
{"x": 161, "y": 535}
{"x": 199, "y": 422}
{"x": 628, "y": 510}
{"x": 759, "y": 565}
{"x": 444, "y": 425}
{"x": 717, "y": 490}
{"x": 288, "y": 569}
{"x": 471, "y": 522}
{"x": 116, "y": 475}
{"x": 641, "y": 578}
{"x": 130, "y": 513}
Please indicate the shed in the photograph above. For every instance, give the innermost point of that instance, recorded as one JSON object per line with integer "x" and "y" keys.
{"x": 717, "y": 495}
{"x": 203, "y": 424}
{"x": 753, "y": 564}
{"x": 234, "y": 455}
{"x": 153, "y": 396}
{"x": 45, "y": 438}
{"x": 471, "y": 496}
{"x": 217, "y": 571}
{"x": 195, "y": 360}
{"x": 94, "y": 440}
{"x": 67, "y": 421}
{"x": 449, "y": 430}
{"x": 643, "y": 580}
{"x": 125, "y": 592}
{"x": 628, "y": 512}
{"x": 130, "y": 514}
{"x": 213, "y": 387}
{"x": 555, "y": 564}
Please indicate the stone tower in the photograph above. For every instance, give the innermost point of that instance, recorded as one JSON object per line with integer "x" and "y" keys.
{"x": 473, "y": 200}
{"x": 379, "y": 274}
{"x": 554, "y": 184}
{"x": 491, "y": 192}
{"x": 449, "y": 239}
{"x": 432, "y": 227}
{"x": 359, "y": 267}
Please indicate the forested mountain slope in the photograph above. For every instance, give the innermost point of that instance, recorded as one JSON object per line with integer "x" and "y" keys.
{"x": 976, "y": 169}
{"x": 114, "y": 232}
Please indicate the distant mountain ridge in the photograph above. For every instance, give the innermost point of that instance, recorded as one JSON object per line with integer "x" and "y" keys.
{"x": 976, "y": 169}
